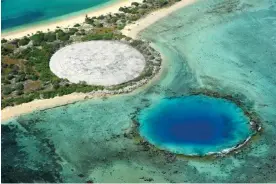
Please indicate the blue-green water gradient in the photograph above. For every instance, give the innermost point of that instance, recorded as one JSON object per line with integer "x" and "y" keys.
{"x": 226, "y": 46}
{"x": 17, "y": 13}
{"x": 194, "y": 125}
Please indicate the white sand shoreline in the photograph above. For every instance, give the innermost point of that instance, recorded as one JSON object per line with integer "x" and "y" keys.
{"x": 131, "y": 31}
{"x": 42, "y": 104}
{"x": 66, "y": 22}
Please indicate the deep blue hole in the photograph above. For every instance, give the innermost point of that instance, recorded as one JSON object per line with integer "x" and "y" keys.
{"x": 194, "y": 123}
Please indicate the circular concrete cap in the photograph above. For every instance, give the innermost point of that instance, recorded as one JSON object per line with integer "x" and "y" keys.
{"x": 103, "y": 63}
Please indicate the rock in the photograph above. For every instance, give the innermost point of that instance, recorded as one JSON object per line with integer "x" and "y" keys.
{"x": 81, "y": 175}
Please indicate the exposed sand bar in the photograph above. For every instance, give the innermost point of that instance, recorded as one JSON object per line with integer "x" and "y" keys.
{"x": 68, "y": 21}
{"x": 132, "y": 30}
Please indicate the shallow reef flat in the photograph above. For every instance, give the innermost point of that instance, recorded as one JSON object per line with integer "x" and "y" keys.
{"x": 224, "y": 46}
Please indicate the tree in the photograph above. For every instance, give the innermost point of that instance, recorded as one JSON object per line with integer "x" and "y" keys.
{"x": 33, "y": 77}
{"x": 23, "y": 41}
{"x": 134, "y": 4}
{"x": 144, "y": 6}
{"x": 56, "y": 85}
{"x": 4, "y": 40}
{"x": 60, "y": 33}
{"x": 20, "y": 78}
{"x": 37, "y": 38}
{"x": 50, "y": 37}
{"x": 19, "y": 92}
{"x": 5, "y": 81}
{"x": 89, "y": 20}
{"x": 19, "y": 86}
{"x": 66, "y": 37}
{"x": 72, "y": 31}
{"x": 98, "y": 24}
{"x": 7, "y": 90}
{"x": 163, "y": 2}
{"x": 7, "y": 48}
{"x": 10, "y": 77}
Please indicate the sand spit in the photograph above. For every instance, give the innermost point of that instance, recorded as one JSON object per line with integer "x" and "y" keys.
{"x": 98, "y": 63}
{"x": 68, "y": 21}
{"x": 133, "y": 30}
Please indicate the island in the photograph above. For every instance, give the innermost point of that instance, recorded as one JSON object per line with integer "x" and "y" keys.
{"x": 27, "y": 76}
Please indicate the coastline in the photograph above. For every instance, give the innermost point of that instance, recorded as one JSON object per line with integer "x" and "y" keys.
{"x": 131, "y": 31}
{"x": 64, "y": 22}
{"x": 43, "y": 104}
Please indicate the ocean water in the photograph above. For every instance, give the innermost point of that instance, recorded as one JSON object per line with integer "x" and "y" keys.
{"x": 18, "y": 13}
{"x": 226, "y": 46}
{"x": 194, "y": 125}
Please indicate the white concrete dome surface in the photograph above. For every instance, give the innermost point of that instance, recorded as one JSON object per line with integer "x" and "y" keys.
{"x": 98, "y": 63}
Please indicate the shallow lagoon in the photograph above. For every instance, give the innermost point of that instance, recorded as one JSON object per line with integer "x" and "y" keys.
{"x": 226, "y": 46}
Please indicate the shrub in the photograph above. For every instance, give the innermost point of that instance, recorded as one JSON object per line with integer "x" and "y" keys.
{"x": 60, "y": 33}
{"x": 10, "y": 77}
{"x": 20, "y": 78}
{"x": 37, "y": 38}
{"x": 89, "y": 20}
{"x": 72, "y": 31}
{"x": 56, "y": 85}
{"x": 5, "y": 81}
{"x": 20, "y": 92}
{"x": 4, "y": 40}
{"x": 23, "y": 41}
{"x": 19, "y": 86}
{"x": 134, "y": 4}
{"x": 50, "y": 37}
{"x": 7, "y": 90}
{"x": 7, "y": 49}
{"x": 32, "y": 77}
{"x": 66, "y": 37}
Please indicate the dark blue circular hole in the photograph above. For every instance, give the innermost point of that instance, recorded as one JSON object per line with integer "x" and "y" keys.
{"x": 194, "y": 125}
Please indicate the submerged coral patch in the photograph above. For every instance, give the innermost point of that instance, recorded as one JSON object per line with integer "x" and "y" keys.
{"x": 194, "y": 125}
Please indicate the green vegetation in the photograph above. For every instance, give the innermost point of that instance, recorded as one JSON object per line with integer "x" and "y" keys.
{"x": 25, "y": 62}
{"x": 23, "y": 41}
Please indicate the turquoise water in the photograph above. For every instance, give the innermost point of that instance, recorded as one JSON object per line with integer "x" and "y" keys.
{"x": 17, "y": 13}
{"x": 226, "y": 46}
{"x": 194, "y": 125}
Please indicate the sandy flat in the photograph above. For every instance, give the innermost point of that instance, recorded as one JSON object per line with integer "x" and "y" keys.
{"x": 67, "y": 22}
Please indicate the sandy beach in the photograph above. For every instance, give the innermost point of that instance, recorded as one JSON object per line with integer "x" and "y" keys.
{"x": 42, "y": 104}
{"x": 68, "y": 21}
{"x": 36, "y": 105}
{"x": 131, "y": 31}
